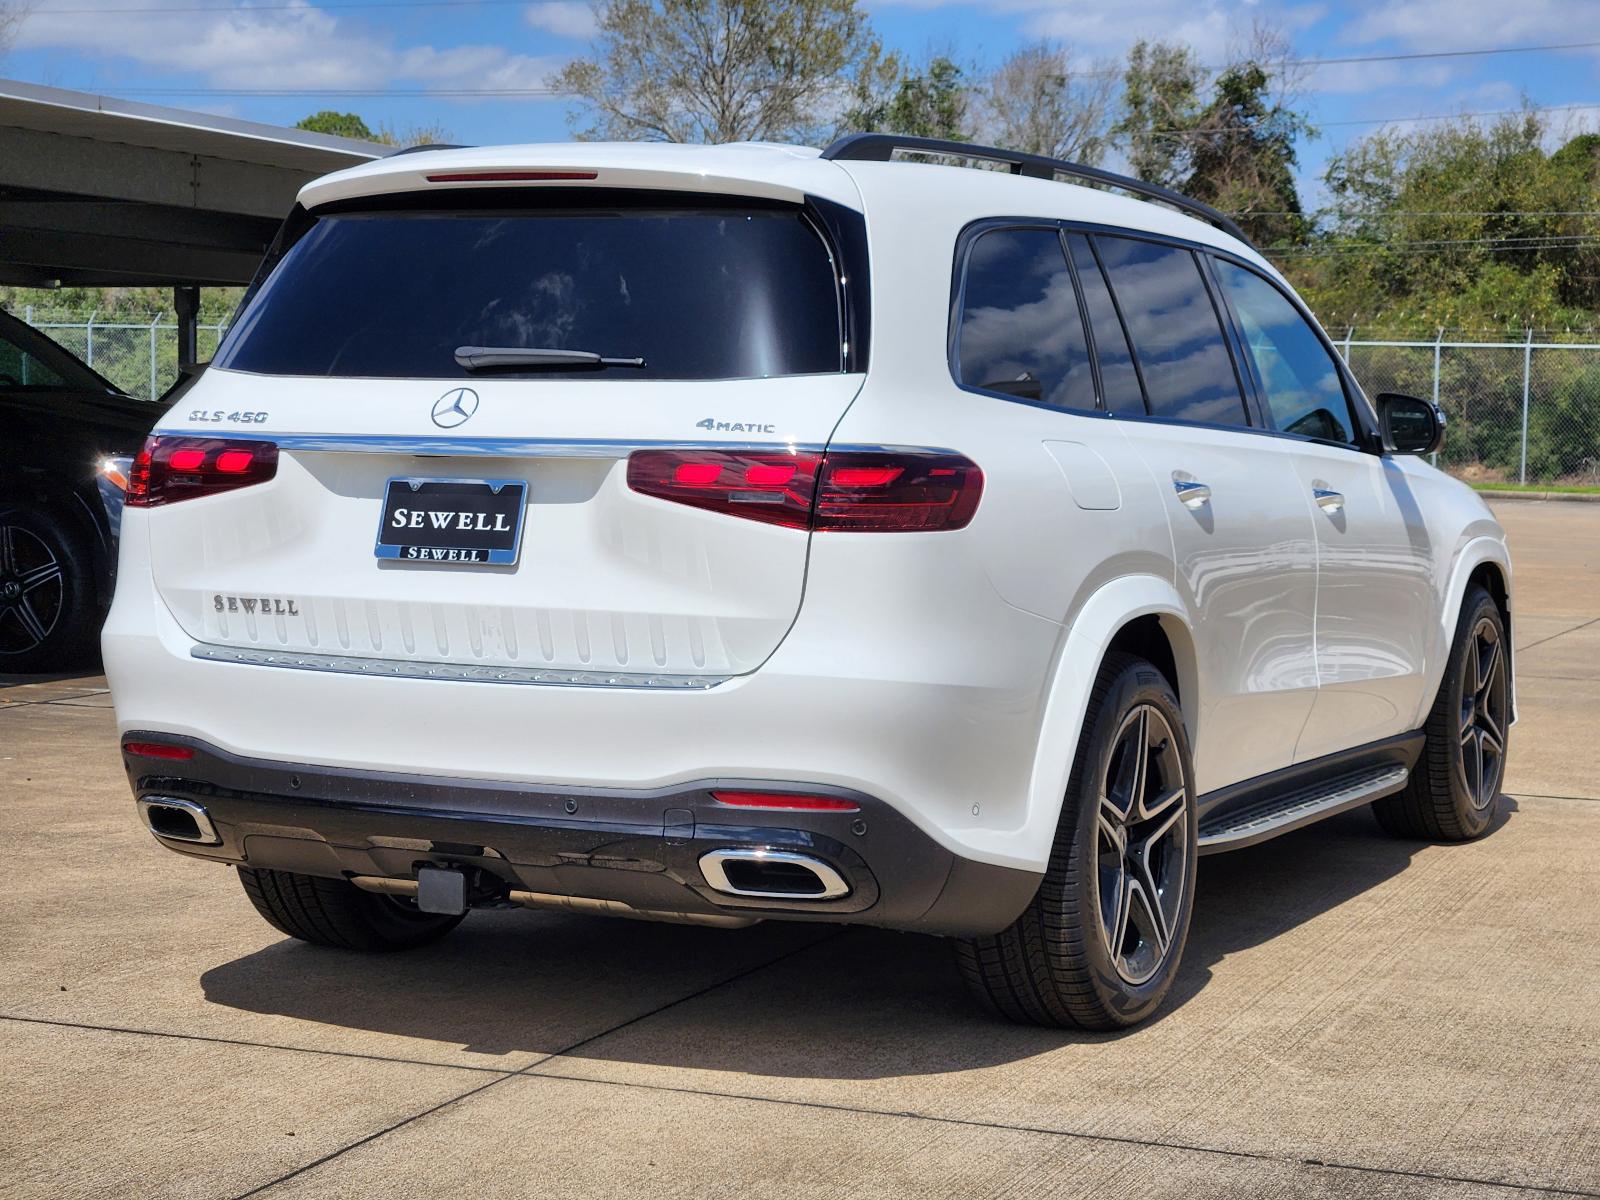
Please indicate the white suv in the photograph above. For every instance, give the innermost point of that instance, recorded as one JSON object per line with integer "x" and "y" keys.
{"x": 716, "y": 534}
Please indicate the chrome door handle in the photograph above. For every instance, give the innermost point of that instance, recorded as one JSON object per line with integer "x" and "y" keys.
{"x": 1191, "y": 492}
{"x": 1327, "y": 499}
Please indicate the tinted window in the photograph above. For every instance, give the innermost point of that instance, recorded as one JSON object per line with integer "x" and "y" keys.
{"x": 1302, "y": 384}
{"x": 21, "y": 367}
{"x": 703, "y": 294}
{"x": 1118, "y": 378}
{"x": 1021, "y": 332}
{"x": 1188, "y": 373}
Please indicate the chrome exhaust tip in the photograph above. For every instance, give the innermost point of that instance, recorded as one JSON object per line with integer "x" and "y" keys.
{"x": 772, "y": 875}
{"x": 177, "y": 820}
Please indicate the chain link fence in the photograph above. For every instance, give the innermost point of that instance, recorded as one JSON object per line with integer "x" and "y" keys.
{"x": 1520, "y": 412}
{"x": 141, "y": 358}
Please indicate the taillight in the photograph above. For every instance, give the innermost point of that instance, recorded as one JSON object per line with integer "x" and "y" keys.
{"x": 172, "y": 468}
{"x": 861, "y": 490}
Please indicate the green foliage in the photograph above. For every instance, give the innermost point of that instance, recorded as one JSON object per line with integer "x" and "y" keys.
{"x": 721, "y": 70}
{"x": 336, "y": 123}
{"x": 931, "y": 102}
{"x": 1462, "y": 226}
{"x": 1161, "y": 101}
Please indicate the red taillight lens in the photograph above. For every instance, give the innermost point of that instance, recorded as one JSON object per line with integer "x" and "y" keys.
{"x": 159, "y": 750}
{"x": 765, "y": 485}
{"x": 171, "y": 468}
{"x": 860, "y": 490}
{"x": 785, "y": 800}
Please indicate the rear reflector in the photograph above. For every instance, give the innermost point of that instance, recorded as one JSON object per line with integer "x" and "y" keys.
{"x": 159, "y": 750}
{"x": 860, "y": 490}
{"x": 171, "y": 468}
{"x": 786, "y": 800}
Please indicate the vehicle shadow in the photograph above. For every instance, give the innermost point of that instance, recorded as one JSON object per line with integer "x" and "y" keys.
{"x": 848, "y": 1003}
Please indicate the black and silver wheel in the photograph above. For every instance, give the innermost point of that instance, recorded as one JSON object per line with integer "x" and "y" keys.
{"x": 335, "y": 912}
{"x": 46, "y": 592}
{"x": 1100, "y": 942}
{"x": 1455, "y": 784}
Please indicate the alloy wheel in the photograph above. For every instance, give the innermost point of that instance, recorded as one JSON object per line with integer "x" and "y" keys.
{"x": 32, "y": 590}
{"x": 1484, "y": 695}
{"x": 1144, "y": 842}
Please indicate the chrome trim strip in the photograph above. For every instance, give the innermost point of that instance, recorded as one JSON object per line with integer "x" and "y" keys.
{"x": 489, "y": 447}
{"x": 207, "y": 836}
{"x": 457, "y": 673}
{"x": 711, "y": 866}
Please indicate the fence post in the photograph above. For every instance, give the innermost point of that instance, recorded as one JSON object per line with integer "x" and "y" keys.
{"x": 1527, "y": 371}
{"x": 1349, "y": 332}
{"x": 1433, "y": 459}
{"x": 153, "y": 321}
{"x": 88, "y": 338}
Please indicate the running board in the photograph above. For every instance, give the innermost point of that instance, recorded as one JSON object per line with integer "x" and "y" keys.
{"x": 1264, "y": 819}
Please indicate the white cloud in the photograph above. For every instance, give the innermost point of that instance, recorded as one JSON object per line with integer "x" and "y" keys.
{"x": 1360, "y": 78}
{"x": 564, "y": 18}
{"x": 1423, "y": 25}
{"x": 301, "y": 47}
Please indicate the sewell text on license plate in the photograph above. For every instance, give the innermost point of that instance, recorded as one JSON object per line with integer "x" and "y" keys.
{"x": 460, "y": 521}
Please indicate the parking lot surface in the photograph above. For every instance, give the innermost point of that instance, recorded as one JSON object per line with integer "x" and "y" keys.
{"x": 1356, "y": 1016}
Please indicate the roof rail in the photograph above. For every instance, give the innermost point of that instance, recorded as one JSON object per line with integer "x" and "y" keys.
{"x": 880, "y": 147}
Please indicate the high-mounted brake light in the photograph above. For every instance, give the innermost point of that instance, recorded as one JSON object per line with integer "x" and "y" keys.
{"x": 786, "y": 800}
{"x": 860, "y": 490}
{"x": 159, "y": 750}
{"x": 172, "y": 468}
{"x": 507, "y": 176}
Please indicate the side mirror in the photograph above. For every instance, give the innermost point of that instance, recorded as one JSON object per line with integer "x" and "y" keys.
{"x": 1410, "y": 426}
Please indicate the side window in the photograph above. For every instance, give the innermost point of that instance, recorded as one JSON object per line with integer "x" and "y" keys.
{"x": 1188, "y": 372}
{"x": 18, "y": 368}
{"x": 1118, "y": 377}
{"x": 1021, "y": 333}
{"x": 1304, "y": 391}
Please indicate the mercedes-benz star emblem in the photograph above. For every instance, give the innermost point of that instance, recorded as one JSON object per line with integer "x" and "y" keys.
{"x": 454, "y": 407}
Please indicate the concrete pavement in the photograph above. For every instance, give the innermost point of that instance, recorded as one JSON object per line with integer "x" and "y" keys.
{"x": 1357, "y": 1016}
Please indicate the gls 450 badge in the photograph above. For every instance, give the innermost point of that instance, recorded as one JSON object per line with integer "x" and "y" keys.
{"x": 734, "y": 426}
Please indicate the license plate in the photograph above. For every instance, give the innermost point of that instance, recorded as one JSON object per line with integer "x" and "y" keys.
{"x": 459, "y": 521}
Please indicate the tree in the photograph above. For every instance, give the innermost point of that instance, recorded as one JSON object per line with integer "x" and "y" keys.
{"x": 1160, "y": 103}
{"x": 932, "y": 102}
{"x": 1035, "y": 101}
{"x": 720, "y": 70}
{"x": 1241, "y": 156}
{"x": 338, "y": 124}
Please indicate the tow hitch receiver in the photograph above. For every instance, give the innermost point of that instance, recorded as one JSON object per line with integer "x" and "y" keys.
{"x": 441, "y": 890}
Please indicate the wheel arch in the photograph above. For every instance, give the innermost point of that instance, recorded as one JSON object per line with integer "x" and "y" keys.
{"x": 1484, "y": 561}
{"x": 1141, "y": 614}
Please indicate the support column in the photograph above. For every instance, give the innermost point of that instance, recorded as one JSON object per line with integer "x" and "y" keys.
{"x": 186, "y": 303}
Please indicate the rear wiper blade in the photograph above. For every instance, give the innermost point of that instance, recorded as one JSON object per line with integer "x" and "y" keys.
{"x": 489, "y": 358}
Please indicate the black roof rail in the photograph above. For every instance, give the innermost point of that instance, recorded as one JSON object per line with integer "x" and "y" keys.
{"x": 880, "y": 147}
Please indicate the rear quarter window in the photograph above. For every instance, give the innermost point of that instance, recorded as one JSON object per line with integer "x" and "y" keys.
{"x": 729, "y": 292}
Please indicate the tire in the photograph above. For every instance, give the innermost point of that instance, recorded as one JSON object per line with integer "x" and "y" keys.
{"x": 48, "y": 610}
{"x": 335, "y": 912}
{"x": 1454, "y": 786}
{"x": 1055, "y": 965}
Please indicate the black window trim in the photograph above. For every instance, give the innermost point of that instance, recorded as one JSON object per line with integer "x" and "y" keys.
{"x": 1360, "y": 406}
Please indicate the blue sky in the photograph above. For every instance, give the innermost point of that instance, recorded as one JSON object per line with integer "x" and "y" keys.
{"x": 194, "y": 59}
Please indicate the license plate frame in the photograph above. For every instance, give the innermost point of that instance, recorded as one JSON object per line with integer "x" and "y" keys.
{"x": 452, "y": 543}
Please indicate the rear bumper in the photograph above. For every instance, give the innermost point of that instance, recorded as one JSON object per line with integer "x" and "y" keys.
{"x": 641, "y": 848}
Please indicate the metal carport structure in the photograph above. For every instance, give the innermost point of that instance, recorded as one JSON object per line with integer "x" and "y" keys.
{"x": 96, "y": 191}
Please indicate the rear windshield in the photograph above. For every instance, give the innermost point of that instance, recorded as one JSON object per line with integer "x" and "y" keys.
{"x": 707, "y": 293}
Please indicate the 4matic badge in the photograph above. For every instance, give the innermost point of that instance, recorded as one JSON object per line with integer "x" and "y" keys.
{"x": 734, "y": 426}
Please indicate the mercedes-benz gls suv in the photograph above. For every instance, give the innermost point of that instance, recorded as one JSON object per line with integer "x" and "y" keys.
{"x": 735, "y": 533}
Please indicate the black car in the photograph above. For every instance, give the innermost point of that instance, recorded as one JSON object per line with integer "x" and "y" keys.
{"x": 66, "y": 437}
